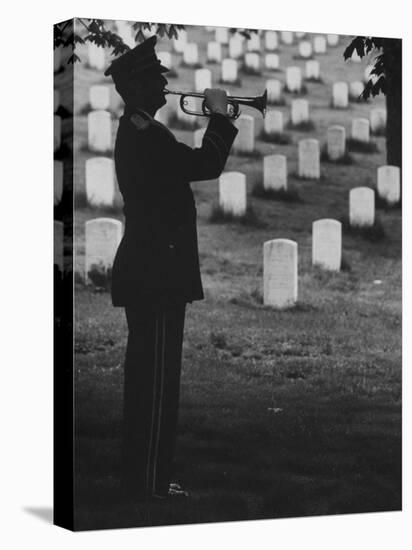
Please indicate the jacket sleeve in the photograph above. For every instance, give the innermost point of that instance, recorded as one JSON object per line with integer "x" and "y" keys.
{"x": 185, "y": 163}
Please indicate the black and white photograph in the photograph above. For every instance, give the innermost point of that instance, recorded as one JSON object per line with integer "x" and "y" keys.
{"x": 228, "y": 272}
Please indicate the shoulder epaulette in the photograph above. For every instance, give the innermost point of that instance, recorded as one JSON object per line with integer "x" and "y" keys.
{"x": 140, "y": 121}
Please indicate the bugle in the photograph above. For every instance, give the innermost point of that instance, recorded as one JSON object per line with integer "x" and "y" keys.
{"x": 233, "y": 102}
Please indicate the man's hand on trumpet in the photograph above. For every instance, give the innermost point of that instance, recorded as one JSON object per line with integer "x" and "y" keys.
{"x": 216, "y": 100}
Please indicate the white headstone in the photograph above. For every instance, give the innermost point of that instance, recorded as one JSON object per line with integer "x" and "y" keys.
{"x": 274, "y": 89}
{"x": 57, "y": 132}
{"x": 361, "y": 206}
{"x": 355, "y": 89}
{"x": 389, "y": 183}
{"x": 332, "y": 39}
{"x": 360, "y": 130}
{"x": 299, "y": 111}
{"x": 340, "y": 95}
{"x": 327, "y": 244}
{"x": 100, "y": 184}
{"x": 58, "y": 181}
{"x": 271, "y": 40}
{"x": 214, "y": 52}
{"x": 253, "y": 44}
{"x": 99, "y": 127}
{"x": 203, "y": 80}
{"x": 97, "y": 58}
{"x": 222, "y": 35}
{"x": 56, "y": 99}
{"x": 272, "y": 61}
{"x": 235, "y": 47}
{"x": 232, "y": 193}
{"x": 319, "y": 44}
{"x": 198, "y": 137}
{"x": 58, "y": 244}
{"x": 309, "y": 159}
{"x": 312, "y": 69}
{"x": 293, "y": 79}
{"x": 165, "y": 59}
{"x": 275, "y": 172}
{"x": 287, "y": 37}
{"x": 336, "y": 142}
{"x": 377, "y": 119}
{"x": 273, "y": 122}
{"x": 252, "y": 61}
{"x": 229, "y": 70}
{"x": 190, "y": 54}
{"x": 305, "y": 49}
{"x": 180, "y": 42}
{"x": 245, "y": 139}
{"x": 99, "y": 97}
{"x": 103, "y": 236}
{"x": 280, "y": 273}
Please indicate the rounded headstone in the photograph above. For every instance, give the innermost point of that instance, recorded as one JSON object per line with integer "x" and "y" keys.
{"x": 214, "y": 52}
{"x": 96, "y": 56}
{"x": 229, "y": 70}
{"x": 103, "y": 236}
{"x": 287, "y": 37}
{"x": 274, "y": 89}
{"x": 389, "y": 183}
{"x": 355, "y": 90}
{"x": 293, "y": 79}
{"x": 275, "y": 172}
{"x": 340, "y": 95}
{"x": 327, "y": 244}
{"x": 280, "y": 273}
{"x": 361, "y": 207}
{"x": 312, "y": 69}
{"x": 309, "y": 159}
{"x": 273, "y": 122}
{"x": 165, "y": 59}
{"x": 272, "y": 61}
{"x": 190, "y": 54}
{"x": 235, "y": 47}
{"x": 99, "y": 131}
{"x": 305, "y": 49}
{"x": 319, "y": 44}
{"x": 99, "y": 97}
{"x": 252, "y": 61}
{"x": 245, "y": 139}
{"x": 100, "y": 183}
{"x": 222, "y": 35}
{"x": 203, "y": 80}
{"x": 377, "y": 118}
{"x": 180, "y": 42}
{"x": 232, "y": 193}
{"x": 332, "y": 39}
{"x": 299, "y": 111}
{"x": 336, "y": 142}
{"x": 271, "y": 40}
{"x": 360, "y": 130}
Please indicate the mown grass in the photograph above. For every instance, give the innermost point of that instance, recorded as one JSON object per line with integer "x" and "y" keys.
{"x": 283, "y": 414}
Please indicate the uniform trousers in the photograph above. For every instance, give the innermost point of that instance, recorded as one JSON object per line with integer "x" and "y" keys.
{"x": 151, "y": 397}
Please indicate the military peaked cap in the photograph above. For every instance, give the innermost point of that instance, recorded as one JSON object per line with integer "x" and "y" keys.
{"x": 141, "y": 58}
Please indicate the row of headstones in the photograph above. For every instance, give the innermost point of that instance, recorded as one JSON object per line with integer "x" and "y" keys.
{"x": 100, "y": 180}
{"x": 280, "y": 256}
{"x": 237, "y": 45}
{"x": 100, "y": 123}
{"x": 233, "y": 190}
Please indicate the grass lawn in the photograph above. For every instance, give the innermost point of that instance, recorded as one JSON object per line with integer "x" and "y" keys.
{"x": 283, "y": 414}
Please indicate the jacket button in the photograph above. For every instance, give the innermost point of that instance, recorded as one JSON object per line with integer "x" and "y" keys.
{"x": 171, "y": 246}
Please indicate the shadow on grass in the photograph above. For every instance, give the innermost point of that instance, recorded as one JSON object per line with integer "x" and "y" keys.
{"x": 357, "y": 146}
{"x": 314, "y": 80}
{"x": 250, "y": 218}
{"x": 302, "y": 91}
{"x": 286, "y": 195}
{"x": 304, "y": 126}
{"x": 276, "y": 137}
{"x": 345, "y": 159}
{"x": 372, "y": 233}
{"x": 382, "y": 204}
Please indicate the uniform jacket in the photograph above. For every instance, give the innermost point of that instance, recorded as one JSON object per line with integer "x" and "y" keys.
{"x": 157, "y": 258}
